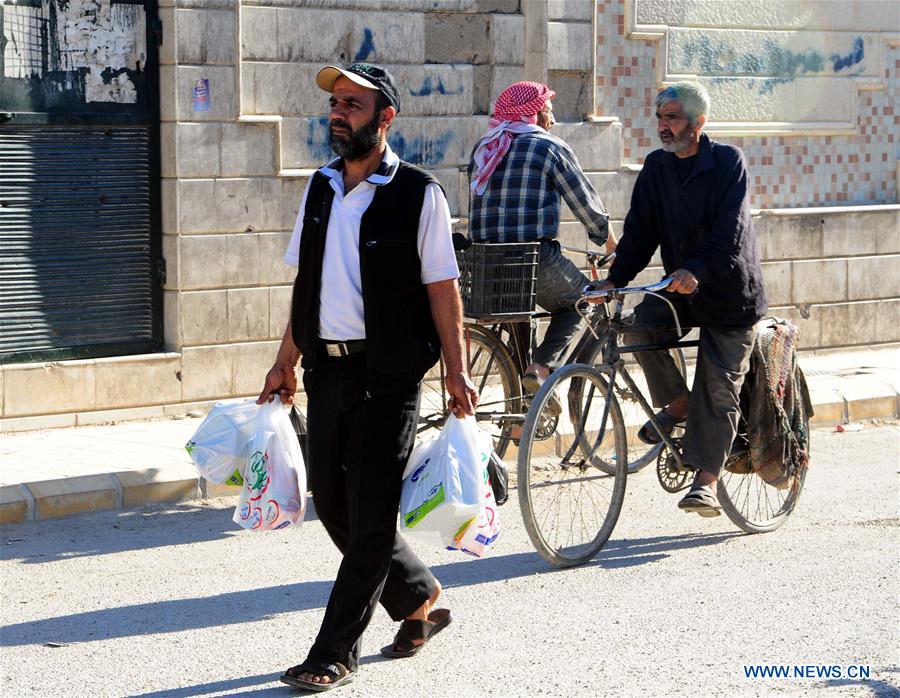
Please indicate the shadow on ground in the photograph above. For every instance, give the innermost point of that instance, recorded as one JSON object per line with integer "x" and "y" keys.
{"x": 267, "y": 602}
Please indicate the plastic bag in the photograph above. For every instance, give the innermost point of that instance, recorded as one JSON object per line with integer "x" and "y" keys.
{"x": 221, "y": 445}
{"x": 480, "y": 535}
{"x": 443, "y": 487}
{"x": 274, "y": 490}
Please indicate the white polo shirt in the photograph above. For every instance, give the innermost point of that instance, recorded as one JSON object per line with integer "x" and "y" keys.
{"x": 341, "y": 315}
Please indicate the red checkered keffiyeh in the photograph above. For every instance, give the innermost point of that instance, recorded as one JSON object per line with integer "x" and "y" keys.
{"x": 515, "y": 112}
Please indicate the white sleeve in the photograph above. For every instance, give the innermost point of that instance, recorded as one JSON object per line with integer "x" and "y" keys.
{"x": 292, "y": 256}
{"x": 435, "y": 239}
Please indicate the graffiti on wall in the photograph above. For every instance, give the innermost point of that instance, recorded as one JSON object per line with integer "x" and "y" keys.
{"x": 87, "y": 51}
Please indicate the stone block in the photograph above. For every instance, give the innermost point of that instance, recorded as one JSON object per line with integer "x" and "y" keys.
{"x": 120, "y": 415}
{"x": 14, "y": 505}
{"x": 203, "y": 261}
{"x": 482, "y": 6}
{"x": 835, "y": 324}
{"x": 73, "y": 495}
{"x": 126, "y": 381}
{"x": 169, "y": 204}
{"x": 222, "y": 99}
{"x": 168, "y": 150}
{"x": 573, "y": 100}
{"x": 596, "y": 144}
{"x": 247, "y": 149}
{"x": 873, "y": 277}
{"x": 615, "y": 192}
{"x": 167, "y": 50}
{"x": 46, "y": 421}
{"x": 862, "y": 322}
{"x": 279, "y": 309}
{"x": 238, "y": 205}
{"x": 198, "y": 149}
{"x": 292, "y": 189}
{"x": 887, "y": 320}
{"x": 569, "y": 46}
{"x": 481, "y": 91}
{"x": 172, "y": 320}
{"x": 389, "y": 37}
{"x": 574, "y": 235}
{"x": 888, "y": 226}
{"x": 204, "y": 317}
{"x": 783, "y": 54}
{"x": 849, "y": 234}
{"x": 259, "y": 26}
{"x": 819, "y": 281}
{"x": 777, "y": 279}
{"x": 251, "y": 362}
{"x": 283, "y": 89}
{"x": 828, "y": 407}
{"x": 170, "y": 257}
{"x": 457, "y": 38}
{"x": 207, "y": 372}
{"x": 248, "y": 314}
{"x": 464, "y": 193}
{"x": 153, "y": 485}
{"x": 789, "y": 237}
{"x": 435, "y": 90}
{"x": 575, "y": 10}
{"x": 205, "y": 36}
{"x": 36, "y": 389}
{"x": 272, "y": 268}
{"x": 196, "y": 205}
{"x": 507, "y": 39}
{"x": 449, "y": 179}
{"x": 242, "y": 259}
{"x": 168, "y": 93}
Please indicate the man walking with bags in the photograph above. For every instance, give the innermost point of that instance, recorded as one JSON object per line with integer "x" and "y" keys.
{"x": 375, "y": 303}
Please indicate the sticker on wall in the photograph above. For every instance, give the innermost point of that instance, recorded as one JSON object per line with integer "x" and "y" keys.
{"x": 201, "y": 95}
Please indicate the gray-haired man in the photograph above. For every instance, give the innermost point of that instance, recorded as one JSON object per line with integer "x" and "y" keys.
{"x": 691, "y": 200}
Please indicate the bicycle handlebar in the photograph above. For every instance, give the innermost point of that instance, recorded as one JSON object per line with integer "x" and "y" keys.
{"x": 597, "y": 257}
{"x": 589, "y": 292}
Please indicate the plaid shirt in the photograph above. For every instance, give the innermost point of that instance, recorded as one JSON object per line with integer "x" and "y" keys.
{"x": 522, "y": 199}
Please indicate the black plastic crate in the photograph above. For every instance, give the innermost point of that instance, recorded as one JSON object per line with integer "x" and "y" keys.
{"x": 498, "y": 279}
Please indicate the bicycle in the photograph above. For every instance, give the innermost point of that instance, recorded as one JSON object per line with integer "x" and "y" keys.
{"x": 498, "y": 355}
{"x": 571, "y": 479}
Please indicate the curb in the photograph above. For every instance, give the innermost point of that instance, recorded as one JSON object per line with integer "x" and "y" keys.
{"x": 130, "y": 489}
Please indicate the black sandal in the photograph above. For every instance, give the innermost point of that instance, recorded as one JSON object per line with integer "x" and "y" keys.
{"x": 668, "y": 422}
{"x": 337, "y": 672}
{"x": 411, "y": 630}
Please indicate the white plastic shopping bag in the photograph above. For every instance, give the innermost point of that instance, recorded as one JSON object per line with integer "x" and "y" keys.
{"x": 274, "y": 490}
{"x": 221, "y": 445}
{"x": 443, "y": 491}
{"x": 480, "y": 535}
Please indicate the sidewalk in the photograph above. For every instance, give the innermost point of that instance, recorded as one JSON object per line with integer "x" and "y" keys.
{"x": 53, "y": 473}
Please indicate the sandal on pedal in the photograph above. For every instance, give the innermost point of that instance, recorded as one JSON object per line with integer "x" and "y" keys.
{"x": 531, "y": 383}
{"x": 668, "y": 422}
{"x": 336, "y": 672}
{"x": 404, "y": 644}
{"x": 700, "y": 500}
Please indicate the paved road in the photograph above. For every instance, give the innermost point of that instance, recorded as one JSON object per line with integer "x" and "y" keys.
{"x": 176, "y": 601}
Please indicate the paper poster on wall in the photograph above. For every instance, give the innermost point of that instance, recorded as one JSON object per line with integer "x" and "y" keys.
{"x": 201, "y": 98}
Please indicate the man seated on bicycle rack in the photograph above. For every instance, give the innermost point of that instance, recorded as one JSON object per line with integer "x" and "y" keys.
{"x": 518, "y": 174}
{"x": 691, "y": 200}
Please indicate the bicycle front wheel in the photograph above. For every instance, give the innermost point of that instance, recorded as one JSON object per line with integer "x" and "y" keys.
{"x": 569, "y": 504}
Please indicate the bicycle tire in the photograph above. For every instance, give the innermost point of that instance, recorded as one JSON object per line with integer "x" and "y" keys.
{"x": 734, "y": 495}
{"x": 495, "y": 376}
{"x": 644, "y": 454}
{"x": 540, "y": 468}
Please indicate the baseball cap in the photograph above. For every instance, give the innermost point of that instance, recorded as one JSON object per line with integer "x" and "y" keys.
{"x": 367, "y": 75}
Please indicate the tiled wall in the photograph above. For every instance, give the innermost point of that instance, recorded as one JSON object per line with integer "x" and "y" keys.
{"x": 787, "y": 171}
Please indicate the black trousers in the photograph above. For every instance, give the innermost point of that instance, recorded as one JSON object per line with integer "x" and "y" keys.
{"x": 723, "y": 360}
{"x": 358, "y": 448}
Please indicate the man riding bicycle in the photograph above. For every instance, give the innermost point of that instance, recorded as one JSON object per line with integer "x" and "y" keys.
{"x": 518, "y": 174}
{"x": 691, "y": 200}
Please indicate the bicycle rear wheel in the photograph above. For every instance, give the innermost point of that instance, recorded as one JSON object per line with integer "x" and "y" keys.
{"x": 640, "y": 454}
{"x": 752, "y": 504}
{"x": 493, "y": 372}
{"x": 569, "y": 505}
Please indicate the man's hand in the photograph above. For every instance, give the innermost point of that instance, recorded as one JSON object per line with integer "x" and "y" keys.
{"x": 281, "y": 379}
{"x": 682, "y": 281}
{"x": 463, "y": 394}
{"x": 604, "y": 285}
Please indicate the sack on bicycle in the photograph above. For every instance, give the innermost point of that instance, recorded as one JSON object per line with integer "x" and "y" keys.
{"x": 443, "y": 487}
{"x": 776, "y": 408}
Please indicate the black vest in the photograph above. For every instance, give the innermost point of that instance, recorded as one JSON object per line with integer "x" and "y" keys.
{"x": 401, "y": 340}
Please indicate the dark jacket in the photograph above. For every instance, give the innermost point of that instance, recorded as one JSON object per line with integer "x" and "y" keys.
{"x": 703, "y": 226}
{"x": 401, "y": 340}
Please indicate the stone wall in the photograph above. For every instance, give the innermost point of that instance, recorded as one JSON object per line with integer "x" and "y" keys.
{"x": 805, "y": 86}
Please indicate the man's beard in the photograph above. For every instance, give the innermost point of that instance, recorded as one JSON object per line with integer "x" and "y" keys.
{"x": 357, "y": 144}
{"x": 676, "y": 144}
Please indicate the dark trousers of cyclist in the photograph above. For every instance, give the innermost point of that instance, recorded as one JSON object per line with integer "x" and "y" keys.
{"x": 357, "y": 451}
{"x": 723, "y": 359}
{"x": 559, "y": 288}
